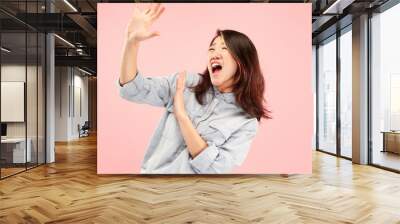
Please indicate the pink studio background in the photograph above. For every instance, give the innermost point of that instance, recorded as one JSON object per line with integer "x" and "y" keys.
{"x": 282, "y": 36}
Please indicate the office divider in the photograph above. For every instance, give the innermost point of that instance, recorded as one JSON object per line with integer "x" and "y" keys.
{"x": 22, "y": 77}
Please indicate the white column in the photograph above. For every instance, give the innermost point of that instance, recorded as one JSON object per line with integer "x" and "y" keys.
{"x": 50, "y": 93}
{"x": 360, "y": 90}
{"x": 50, "y": 108}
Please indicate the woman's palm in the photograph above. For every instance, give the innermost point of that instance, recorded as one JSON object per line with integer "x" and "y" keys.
{"x": 139, "y": 26}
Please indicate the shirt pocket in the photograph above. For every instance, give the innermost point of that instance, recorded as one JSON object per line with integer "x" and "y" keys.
{"x": 217, "y": 132}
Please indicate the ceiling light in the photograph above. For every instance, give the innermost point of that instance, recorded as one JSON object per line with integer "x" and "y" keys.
{"x": 64, "y": 40}
{"x": 5, "y": 50}
{"x": 84, "y": 71}
{"x": 337, "y": 7}
{"x": 70, "y": 5}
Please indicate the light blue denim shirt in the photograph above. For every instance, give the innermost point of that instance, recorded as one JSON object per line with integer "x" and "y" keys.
{"x": 226, "y": 128}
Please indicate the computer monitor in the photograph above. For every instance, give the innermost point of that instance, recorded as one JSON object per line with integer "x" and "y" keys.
{"x": 3, "y": 129}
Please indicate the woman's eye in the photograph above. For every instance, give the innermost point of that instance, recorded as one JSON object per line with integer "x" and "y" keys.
{"x": 224, "y": 48}
{"x": 211, "y": 49}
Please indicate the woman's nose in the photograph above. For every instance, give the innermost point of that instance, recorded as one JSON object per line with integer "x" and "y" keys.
{"x": 216, "y": 55}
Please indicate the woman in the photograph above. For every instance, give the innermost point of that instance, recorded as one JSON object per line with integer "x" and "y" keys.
{"x": 211, "y": 118}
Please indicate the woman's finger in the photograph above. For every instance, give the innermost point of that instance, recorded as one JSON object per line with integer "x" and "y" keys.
{"x": 148, "y": 11}
{"x": 135, "y": 10}
{"x": 180, "y": 82}
{"x": 154, "y": 9}
{"x": 158, "y": 13}
{"x": 152, "y": 34}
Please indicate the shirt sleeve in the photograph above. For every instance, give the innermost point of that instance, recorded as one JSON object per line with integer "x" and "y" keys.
{"x": 156, "y": 90}
{"x": 222, "y": 159}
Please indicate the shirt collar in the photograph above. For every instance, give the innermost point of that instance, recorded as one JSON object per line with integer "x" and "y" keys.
{"x": 227, "y": 97}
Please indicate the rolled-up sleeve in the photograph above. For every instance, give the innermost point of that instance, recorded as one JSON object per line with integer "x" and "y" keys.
{"x": 223, "y": 158}
{"x": 156, "y": 91}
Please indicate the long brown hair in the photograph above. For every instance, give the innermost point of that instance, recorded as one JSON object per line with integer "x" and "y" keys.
{"x": 248, "y": 86}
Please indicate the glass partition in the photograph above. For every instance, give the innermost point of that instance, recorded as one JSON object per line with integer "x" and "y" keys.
{"x": 22, "y": 77}
{"x": 13, "y": 103}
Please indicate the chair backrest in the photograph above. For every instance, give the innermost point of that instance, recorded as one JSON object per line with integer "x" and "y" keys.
{"x": 86, "y": 125}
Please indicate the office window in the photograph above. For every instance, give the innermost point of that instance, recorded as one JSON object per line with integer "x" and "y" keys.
{"x": 346, "y": 92}
{"x": 385, "y": 91}
{"x": 327, "y": 95}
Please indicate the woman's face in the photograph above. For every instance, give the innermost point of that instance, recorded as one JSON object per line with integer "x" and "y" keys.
{"x": 221, "y": 65}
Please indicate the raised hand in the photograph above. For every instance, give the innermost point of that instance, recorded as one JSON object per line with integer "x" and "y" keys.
{"x": 138, "y": 28}
{"x": 179, "y": 106}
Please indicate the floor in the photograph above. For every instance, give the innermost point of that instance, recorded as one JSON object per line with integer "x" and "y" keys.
{"x": 10, "y": 171}
{"x": 5, "y": 172}
{"x": 385, "y": 159}
{"x": 388, "y": 159}
{"x": 70, "y": 191}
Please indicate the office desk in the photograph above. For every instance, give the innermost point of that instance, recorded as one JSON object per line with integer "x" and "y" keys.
{"x": 391, "y": 141}
{"x": 15, "y": 148}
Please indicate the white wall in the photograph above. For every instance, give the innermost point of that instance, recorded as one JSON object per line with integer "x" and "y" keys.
{"x": 80, "y": 84}
{"x": 70, "y": 83}
{"x": 62, "y": 81}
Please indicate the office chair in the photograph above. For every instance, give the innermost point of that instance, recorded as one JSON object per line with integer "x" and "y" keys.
{"x": 84, "y": 130}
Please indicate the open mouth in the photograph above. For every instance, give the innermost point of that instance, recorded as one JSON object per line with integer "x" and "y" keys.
{"x": 216, "y": 67}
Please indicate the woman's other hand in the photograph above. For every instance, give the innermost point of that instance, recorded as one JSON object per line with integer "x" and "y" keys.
{"x": 139, "y": 26}
{"x": 179, "y": 105}
{"x": 194, "y": 142}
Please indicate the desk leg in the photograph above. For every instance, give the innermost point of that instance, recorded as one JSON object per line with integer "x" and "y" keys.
{"x": 384, "y": 143}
